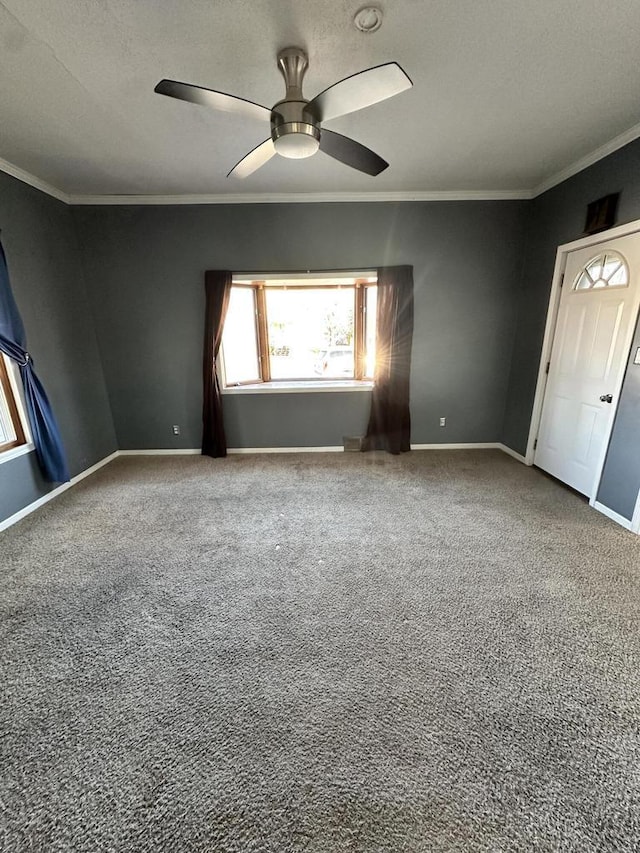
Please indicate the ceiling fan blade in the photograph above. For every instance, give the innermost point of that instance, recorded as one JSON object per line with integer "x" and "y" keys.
{"x": 252, "y": 161}
{"x": 211, "y": 98}
{"x": 359, "y": 91}
{"x": 351, "y": 153}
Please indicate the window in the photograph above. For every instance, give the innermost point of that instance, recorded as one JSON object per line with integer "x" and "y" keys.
{"x": 304, "y": 328}
{"x": 12, "y": 434}
{"x": 607, "y": 270}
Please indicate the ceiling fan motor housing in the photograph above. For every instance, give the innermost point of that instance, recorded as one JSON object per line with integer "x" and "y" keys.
{"x": 294, "y": 130}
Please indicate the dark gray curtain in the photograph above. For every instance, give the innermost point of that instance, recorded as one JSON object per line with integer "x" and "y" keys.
{"x": 390, "y": 421}
{"x": 217, "y": 285}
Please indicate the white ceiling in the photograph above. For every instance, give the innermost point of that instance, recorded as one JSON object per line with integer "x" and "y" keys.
{"x": 507, "y": 93}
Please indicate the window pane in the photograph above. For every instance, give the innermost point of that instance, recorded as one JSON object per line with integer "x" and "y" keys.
{"x": 11, "y": 431}
{"x": 7, "y": 432}
{"x": 239, "y": 344}
{"x": 311, "y": 332}
{"x": 370, "y": 331}
{"x": 619, "y": 278}
{"x": 595, "y": 269}
{"x": 611, "y": 265}
{"x": 584, "y": 282}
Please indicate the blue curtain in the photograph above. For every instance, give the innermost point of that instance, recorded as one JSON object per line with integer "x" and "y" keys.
{"x": 13, "y": 342}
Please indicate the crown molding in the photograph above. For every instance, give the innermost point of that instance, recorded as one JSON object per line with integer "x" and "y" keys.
{"x": 594, "y": 156}
{"x": 301, "y": 198}
{"x": 588, "y": 160}
{"x": 260, "y": 198}
{"x": 32, "y": 180}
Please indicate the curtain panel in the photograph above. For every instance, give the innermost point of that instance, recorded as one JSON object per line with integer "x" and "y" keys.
{"x": 389, "y": 425}
{"x": 13, "y": 342}
{"x": 217, "y": 284}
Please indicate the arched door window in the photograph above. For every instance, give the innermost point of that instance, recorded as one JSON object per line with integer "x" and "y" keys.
{"x": 606, "y": 270}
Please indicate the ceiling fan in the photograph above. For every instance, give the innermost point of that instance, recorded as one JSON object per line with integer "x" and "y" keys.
{"x": 296, "y": 124}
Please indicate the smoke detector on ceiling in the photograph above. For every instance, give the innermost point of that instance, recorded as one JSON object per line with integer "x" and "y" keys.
{"x": 368, "y": 19}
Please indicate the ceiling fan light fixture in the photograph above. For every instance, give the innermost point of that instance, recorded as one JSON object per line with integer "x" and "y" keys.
{"x": 296, "y": 146}
{"x": 296, "y": 141}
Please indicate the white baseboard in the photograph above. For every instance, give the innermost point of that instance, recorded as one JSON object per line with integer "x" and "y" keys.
{"x": 481, "y": 445}
{"x": 54, "y": 493}
{"x": 614, "y": 516}
{"x": 196, "y": 451}
{"x": 334, "y": 448}
{"x": 186, "y": 451}
{"x": 192, "y": 451}
{"x": 331, "y": 448}
{"x": 513, "y": 453}
{"x": 486, "y": 445}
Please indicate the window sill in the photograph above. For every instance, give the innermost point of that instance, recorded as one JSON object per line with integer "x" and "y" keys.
{"x": 16, "y": 451}
{"x": 301, "y": 387}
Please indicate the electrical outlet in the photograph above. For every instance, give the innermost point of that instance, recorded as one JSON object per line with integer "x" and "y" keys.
{"x": 443, "y": 421}
{"x": 176, "y": 429}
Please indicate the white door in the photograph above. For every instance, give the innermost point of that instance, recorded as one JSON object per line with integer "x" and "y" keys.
{"x": 597, "y": 311}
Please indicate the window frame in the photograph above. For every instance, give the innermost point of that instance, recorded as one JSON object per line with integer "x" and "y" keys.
{"x": 245, "y": 382}
{"x": 593, "y": 286}
{"x": 260, "y": 285}
{"x": 11, "y": 406}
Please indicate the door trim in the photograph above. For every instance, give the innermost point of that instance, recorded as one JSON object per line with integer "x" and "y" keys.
{"x": 545, "y": 356}
{"x": 635, "y": 521}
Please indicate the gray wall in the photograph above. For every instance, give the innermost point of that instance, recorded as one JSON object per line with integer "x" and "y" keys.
{"x": 144, "y": 268}
{"x": 44, "y": 263}
{"x": 320, "y": 420}
{"x": 557, "y": 217}
{"x": 481, "y": 290}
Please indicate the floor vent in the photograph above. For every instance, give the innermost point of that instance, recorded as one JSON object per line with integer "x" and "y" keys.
{"x": 352, "y": 443}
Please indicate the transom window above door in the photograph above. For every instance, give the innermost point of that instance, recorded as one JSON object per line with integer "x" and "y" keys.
{"x": 316, "y": 328}
{"x": 606, "y": 270}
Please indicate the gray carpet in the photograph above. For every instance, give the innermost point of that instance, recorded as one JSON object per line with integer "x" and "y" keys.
{"x": 319, "y": 653}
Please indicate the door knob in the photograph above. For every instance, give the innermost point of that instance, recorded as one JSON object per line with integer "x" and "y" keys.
{"x": 606, "y": 398}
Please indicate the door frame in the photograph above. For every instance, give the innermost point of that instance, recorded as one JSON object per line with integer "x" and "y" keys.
{"x": 545, "y": 357}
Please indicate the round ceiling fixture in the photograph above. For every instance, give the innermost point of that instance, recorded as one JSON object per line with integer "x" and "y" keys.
{"x": 368, "y": 19}
{"x": 295, "y": 140}
{"x": 297, "y": 145}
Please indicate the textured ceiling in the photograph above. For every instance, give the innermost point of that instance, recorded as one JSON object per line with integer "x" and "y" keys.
{"x": 506, "y": 92}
